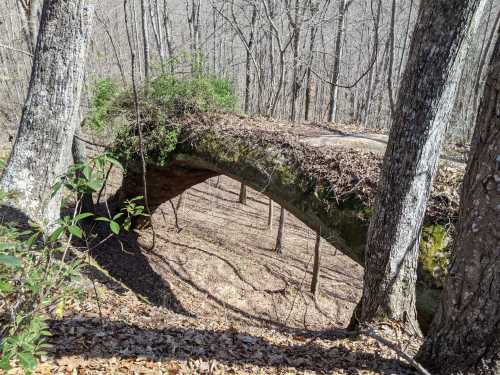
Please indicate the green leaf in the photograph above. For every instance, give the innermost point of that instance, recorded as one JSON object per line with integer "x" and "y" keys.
{"x": 28, "y": 361}
{"x": 115, "y": 162}
{"x": 75, "y": 231}
{"x": 94, "y": 185}
{"x": 118, "y": 215}
{"x": 87, "y": 172}
{"x": 10, "y": 261}
{"x": 82, "y": 216}
{"x": 56, "y": 188}
{"x": 56, "y": 234}
{"x": 127, "y": 224}
{"x": 115, "y": 227}
{"x": 102, "y": 218}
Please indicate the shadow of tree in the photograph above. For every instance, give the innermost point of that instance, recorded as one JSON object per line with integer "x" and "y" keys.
{"x": 122, "y": 340}
{"x": 123, "y": 259}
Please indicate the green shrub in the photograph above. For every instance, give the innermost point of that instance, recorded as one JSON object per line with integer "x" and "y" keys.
{"x": 105, "y": 92}
{"x": 162, "y": 106}
{"x": 199, "y": 94}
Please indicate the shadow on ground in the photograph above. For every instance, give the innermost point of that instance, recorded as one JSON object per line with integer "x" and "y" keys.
{"x": 120, "y": 340}
{"x": 123, "y": 259}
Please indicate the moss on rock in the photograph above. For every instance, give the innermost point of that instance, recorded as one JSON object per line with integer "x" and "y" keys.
{"x": 434, "y": 255}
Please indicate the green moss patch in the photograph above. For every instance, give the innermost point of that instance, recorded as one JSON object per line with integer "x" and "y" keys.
{"x": 434, "y": 254}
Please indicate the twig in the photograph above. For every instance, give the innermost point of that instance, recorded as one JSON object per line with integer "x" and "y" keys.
{"x": 91, "y": 143}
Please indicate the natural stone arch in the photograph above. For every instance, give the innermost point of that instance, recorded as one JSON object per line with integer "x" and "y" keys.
{"x": 331, "y": 188}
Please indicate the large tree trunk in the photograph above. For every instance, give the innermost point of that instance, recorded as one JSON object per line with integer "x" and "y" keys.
{"x": 425, "y": 101}
{"x": 50, "y": 114}
{"x": 465, "y": 333}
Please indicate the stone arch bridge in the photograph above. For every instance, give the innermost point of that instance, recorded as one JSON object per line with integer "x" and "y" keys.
{"x": 324, "y": 176}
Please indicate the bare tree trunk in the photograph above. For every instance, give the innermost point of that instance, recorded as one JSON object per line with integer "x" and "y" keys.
{"x": 425, "y": 102}
{"x": 465, "y": 334}
{"x": 281, "y": 232}
{"x": 317, "y": 265}
{"x": 297, "y": 26}
{"x": 391, "y": 59}
{"x": 145, "y": 39}
{"x": 372, "y": 78}
{"x": 405, "y": 42}
{"x": 332, "y": 112}
{"x": 270, "y": 214}
{"x": 50, "y": 114}
{"x": 243, "y": 194}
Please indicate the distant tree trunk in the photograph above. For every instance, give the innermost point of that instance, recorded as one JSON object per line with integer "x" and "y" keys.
{"x": 465, "y": 334}
{"x": 248, "y": 73}
{"x": 317, "y": 265}
{"x": 405, "y": 42}
{"x": 314, "y": 8}
{"x": 425, "y": 102}
{"x": 372, "y": 77}
{"x": 297, "y": 26}
{"x": 281, "y": 232}
{"x": 391, "y": 59}
{"x": 243, "y": 194}
{"x": 50, "y": 114}
{"x": 145, "y": 39}
{"x": 332, "y": 112}
{"x": 155, "y": 14}
{"x": 270, "y": 214}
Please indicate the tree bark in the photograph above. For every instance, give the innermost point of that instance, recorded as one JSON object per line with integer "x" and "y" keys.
{"x": 243, "y": 194}
{"x": 332, "y": 112}
{"x": 270, "y": 214}
{"x": 145, "y": 38}
{"x": 281, "y": 232}
{"x": 424, "y": 105}
{"x": 465, "y": 333}
{"x": 50, "y": 114}
{"x": 317, "y": 265}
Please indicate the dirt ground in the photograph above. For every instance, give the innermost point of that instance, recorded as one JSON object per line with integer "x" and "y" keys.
{"x": 214, "y": 298}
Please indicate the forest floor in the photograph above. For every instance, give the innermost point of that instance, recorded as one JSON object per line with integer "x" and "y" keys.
{"x": 214, "y": 298}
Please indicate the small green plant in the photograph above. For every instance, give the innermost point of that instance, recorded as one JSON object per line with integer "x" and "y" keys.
{"x": 105, "y": 92}
{"x": 36, "y": 274}
{"x": 35, "y": 277}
